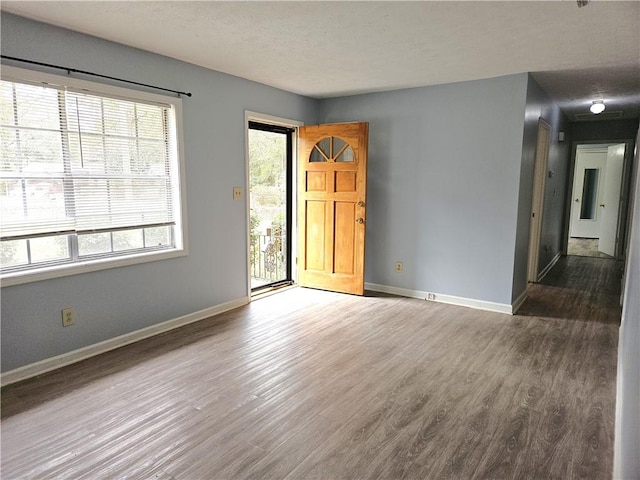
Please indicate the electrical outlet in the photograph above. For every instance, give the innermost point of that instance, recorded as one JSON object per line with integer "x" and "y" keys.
{"x": 237, "y": 193}
{"x": 431, "y": 296}
{"x": 68, "y": 317}
{"x": 399, "y": 267}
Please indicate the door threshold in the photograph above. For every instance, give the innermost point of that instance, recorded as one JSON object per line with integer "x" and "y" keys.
{"x": 267, "y": 292}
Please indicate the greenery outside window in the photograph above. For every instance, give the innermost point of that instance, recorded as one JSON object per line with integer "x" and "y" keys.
{"x": 88, "y": 173}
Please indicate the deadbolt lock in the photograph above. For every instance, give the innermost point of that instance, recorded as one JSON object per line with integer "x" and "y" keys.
{"x": 361, "y": 203}
{"x": 360, "y": 220}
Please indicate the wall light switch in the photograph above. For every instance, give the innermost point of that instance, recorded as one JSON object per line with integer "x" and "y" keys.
{"x": 237, "y": 193}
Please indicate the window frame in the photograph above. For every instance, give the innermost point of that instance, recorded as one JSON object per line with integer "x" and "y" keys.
{"x": 45, "y": 272}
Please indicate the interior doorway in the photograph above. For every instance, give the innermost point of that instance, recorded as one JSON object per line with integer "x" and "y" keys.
{"x": 270, "y": 167}
{"x": 597, "y": 201}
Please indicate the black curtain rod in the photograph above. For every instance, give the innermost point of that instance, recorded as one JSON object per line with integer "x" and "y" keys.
{"x": 84, "y": 72}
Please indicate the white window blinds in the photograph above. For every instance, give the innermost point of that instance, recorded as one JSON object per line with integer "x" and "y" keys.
{"x": 78, "y": 162}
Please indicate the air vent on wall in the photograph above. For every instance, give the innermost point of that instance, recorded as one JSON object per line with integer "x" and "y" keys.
{"x": 602, "y": 116}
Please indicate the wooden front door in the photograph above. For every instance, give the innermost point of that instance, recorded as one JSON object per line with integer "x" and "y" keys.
{"x": 332, "y": 185}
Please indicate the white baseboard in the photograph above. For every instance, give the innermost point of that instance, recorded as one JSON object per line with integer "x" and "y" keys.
{"x": 518, "y": 303}
{"x": 441, "y": 298}
{"x": 548, "y": 268}
{"x": 48, "y": 364}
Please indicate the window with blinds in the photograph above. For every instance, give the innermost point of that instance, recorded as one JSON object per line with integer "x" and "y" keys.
{"x": 84, "y": 175}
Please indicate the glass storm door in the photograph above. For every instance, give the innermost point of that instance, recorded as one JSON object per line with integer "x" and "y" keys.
{"x": 270, "y": 158}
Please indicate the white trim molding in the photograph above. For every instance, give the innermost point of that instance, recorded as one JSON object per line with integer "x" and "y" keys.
{"x": 59, "y": 361}
{"x": 270, "y": 119}
{"x": 442, "y": 298}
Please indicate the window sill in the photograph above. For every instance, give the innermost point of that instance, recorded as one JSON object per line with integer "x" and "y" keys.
{"x": 47, "y": 273}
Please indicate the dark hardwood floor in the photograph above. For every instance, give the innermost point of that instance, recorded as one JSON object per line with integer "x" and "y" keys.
{"x": 309, "y": 384}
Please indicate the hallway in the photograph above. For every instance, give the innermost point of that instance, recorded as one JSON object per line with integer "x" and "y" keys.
{"x": 584, "y": 288}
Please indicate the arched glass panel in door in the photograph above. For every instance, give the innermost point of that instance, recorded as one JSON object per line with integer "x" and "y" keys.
{"x": 332, "y": 149}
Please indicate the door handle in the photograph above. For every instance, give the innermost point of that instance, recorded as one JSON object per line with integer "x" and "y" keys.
{"x": 361, "y": 203}
{"x": 602, "y": 205}
{"x": 577, "y": 200}
{"x": 360, "y": 220}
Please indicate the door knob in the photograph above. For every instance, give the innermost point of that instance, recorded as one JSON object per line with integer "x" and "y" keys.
{"x": 361, "y": 203}
{"x": 360, "y": 220}
{"x": 577, "y": 200}
{"x": 602, "y": 205}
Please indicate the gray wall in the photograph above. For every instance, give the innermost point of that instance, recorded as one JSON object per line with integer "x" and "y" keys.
{"x": 556, "y": 186}
{"x": 117, "y": 301}
{"x": 627, "y": 436}
{"x": 538, "y": 104}
{"x": 444, "y": 171}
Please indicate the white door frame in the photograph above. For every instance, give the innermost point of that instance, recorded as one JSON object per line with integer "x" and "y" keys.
{"x": 537, "y": 201}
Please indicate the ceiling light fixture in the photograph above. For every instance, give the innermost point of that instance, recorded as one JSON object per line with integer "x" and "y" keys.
{"x": 582, "y": 3}
{"x": 597, "y": 107}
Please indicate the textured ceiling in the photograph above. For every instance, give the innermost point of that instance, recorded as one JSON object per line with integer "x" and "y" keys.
{"x": 326, "y": 49}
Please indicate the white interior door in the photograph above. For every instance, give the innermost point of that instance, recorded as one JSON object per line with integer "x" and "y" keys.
{"x": 587, "y": 193}
{"x": 609, "y": 205}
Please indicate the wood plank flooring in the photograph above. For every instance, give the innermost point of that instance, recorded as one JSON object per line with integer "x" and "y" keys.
{"x": 308, "y": 384}
{"x": 585, "y": 247}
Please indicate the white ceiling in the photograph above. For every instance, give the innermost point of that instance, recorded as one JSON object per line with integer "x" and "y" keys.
{"x": 326, "y": 49}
